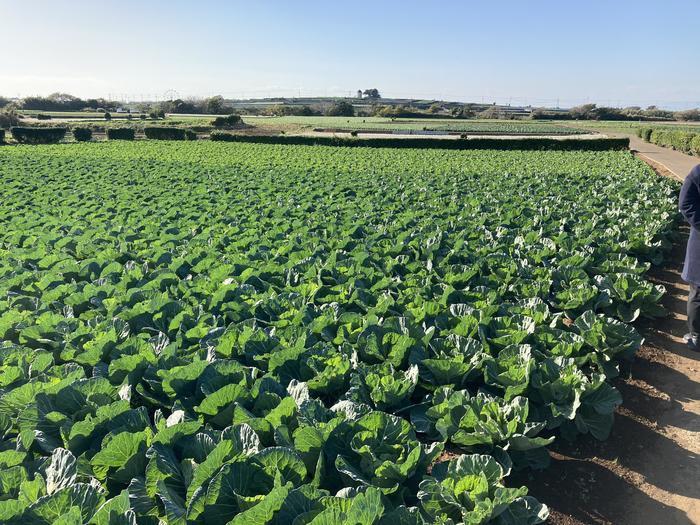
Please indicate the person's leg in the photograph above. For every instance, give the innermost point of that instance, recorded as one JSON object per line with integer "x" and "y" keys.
{"x": 694, "y": 312}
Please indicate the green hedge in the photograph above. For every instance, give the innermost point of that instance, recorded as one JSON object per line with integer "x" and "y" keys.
{"x": 169, "y": 133}
{"x": 26, "y": 135}
{"x": 683, "y": 141}
{"x": 82, "y": 134}
{"x": 164, "y": 133}
{"x": 645, "y": 133}
{"x": 430, "y": 143}
{"x": 678, "y": 140}
{"x": 121, "y": 133}
{"x": 2, "y": 136}
{"x": 695, "y": 145}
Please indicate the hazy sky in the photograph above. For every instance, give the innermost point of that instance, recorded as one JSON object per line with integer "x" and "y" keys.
{"x": 615, "y": 52}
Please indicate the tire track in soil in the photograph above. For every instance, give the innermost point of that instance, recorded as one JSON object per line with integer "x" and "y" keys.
{"x": 648, "y": 471}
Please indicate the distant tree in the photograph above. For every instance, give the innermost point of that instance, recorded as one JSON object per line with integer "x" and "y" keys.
{"x": 341, "y": 109}
{"x": 108, "y": 115}
{"x": 655, "y": 112}
{"x": 8, "y": 118}
{"x": 606, "y": 113}
{"x": 64, "y": 98}
{"x": 493, "y": 112}
{"x": 215, "y": 106}
{"x": 280, "y": 110}
{"x": 230, "y": 121}
{"x": 306, "y": 111}
{"x": 466, "y": 111}
{"x": 4, "y": 102}
{"x": 372, "y": 93}
{"x": 583, "y": 112}
{"x": 691, "y": 115}
{"x": 184, "y": 106}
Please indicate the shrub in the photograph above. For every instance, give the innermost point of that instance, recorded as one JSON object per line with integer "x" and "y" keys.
{"x": 82, "y": 134}
{"x": 228, "y": 121}
{"x": 121, "y": 133}
{"x": 190, "y": 134}
{"x": 683, "y": 141}
{"x": 2, "y": 136}
{"x": 668, "y": 138}
{"x": 164, "y": 133}
{"x": 43, "y": 116}
{"x": 341, "y": 109}
{"x": 645, "y": 133}
{"x": 8, "y": 119}
{"x": 142, "y": 116}
{"x": 108, "y": 115}
{"x": 695, "y": 145}
{"x": 26, "y": 135}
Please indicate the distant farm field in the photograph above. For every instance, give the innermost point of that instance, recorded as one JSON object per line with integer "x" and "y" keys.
{"x": 437, "y": 124}
{"x": 214, "y": 333}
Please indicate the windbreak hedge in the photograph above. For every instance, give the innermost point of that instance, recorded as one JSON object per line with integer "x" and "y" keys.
{"x": 28, "y": 135}
{"x": 169, "y": 133}
{"x": 82, "y": 134}
{"x": 2, "y": 136}
{"x": 121, "y": 133}
{"x": 695, "y": 145}
{"x": 428, "y": 143}
{"x": 644, "y": 133}
{"x": 679, "y": 140}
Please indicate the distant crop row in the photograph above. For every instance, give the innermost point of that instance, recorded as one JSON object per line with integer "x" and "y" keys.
{"x": 221, "y": 333}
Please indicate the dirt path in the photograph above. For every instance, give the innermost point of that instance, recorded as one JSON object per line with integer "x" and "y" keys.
{"x": 648, "y": 471}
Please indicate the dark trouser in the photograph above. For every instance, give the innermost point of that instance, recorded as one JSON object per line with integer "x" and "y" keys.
{"x": 694, "y": 310}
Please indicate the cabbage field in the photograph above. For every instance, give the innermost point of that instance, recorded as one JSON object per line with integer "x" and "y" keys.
{"x": 215, "y": 333}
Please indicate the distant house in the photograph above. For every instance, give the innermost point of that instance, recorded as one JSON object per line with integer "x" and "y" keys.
{"x": 123, "y": 110}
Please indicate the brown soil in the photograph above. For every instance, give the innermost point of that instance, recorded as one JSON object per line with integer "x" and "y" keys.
{"x": 648, "y": 471}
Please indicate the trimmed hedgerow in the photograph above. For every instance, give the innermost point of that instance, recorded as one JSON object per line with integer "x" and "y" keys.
{"x": 169, "y": 133}
{"x": 684, "y": 141}
{"x": 82, "y": 134}
{"x": 427, "y": 143}
{"x": 121, "y": 133}
{"x": 695, "y": 145}
{"x": 31, "y": 135}
{"x": 164, "y": 133}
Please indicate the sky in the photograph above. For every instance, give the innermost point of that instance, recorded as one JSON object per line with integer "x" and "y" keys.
{"x": 536, "y": 52}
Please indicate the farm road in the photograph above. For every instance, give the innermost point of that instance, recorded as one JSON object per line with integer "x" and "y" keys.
{"x": 679, "y": 164}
